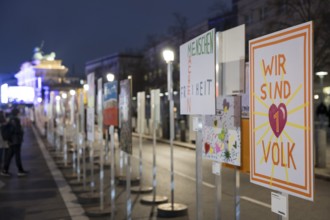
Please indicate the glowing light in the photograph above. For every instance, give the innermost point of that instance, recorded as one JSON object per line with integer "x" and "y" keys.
{"x": 322, "y": 73}
{"x": 4, "y": 93}
{"x": 316, "y": 96}
{"x": 57, "y": 98}
{"x": 86, "y": 87}
{"x": 326, "y": 90}
{"x": 21, "y": 94}
{"x": 110, "y": 77}
{"x": 64, "y": 95}
{"x": 168, "y": 55}
{"x": 39, "y": 99}
{"x": 148, "y": 96}
{"x": 134, "y": 98}
{"x": 39, "y": 82}
{"x": 72, "y": 92}
{"x": 175, "y": 92}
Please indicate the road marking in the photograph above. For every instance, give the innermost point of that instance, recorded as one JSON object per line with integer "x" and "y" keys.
{"x": 180, "y": 174}
{"x": 256, "y": 201}
{"x": 75, "y": 209}
{"x": 193, "y": 179}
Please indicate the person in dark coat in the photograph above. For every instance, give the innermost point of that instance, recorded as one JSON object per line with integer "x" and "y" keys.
{"x": 15, "y": 144}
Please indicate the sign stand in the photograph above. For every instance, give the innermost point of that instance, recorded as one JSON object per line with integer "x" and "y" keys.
{"x": 84, "y": 165}
{"x": 171, "y": 209}
{"x": 80, "y": 143}
{"x": 65, "y": 146}
{"x": 112, "y": 171}
{"x": 91, "y": 162}
{"x": 92, "y": 196}
{"x": 237, "y": 194}
{"x": 154, "y": 199}
{"x": 218, "y": 194}
{"x": 128, "y": 187}
{"x": 199, "y": 169}
{"x": 141, "y": 188}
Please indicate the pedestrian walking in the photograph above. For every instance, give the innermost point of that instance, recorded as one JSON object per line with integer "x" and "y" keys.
{"x": 15, "y": 143}
{"x": 3, "y": 143}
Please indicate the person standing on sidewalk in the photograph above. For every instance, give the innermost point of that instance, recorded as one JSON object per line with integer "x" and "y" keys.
{"x": 15, "y": 144}
{"x": 3, "y": 143}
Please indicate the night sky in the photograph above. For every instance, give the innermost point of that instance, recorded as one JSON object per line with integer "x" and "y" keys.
{"x": 79, "y": 31}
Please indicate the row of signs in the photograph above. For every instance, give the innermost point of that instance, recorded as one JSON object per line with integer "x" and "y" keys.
{"x": 213, "y": 84}
{"x": 279, "y": 102}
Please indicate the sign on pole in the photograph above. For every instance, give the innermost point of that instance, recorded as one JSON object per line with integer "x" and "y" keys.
{"x": 231, "y": 60}
{"x": 197, "y": 75}
{"x": 155, "y": 107}
{"x": 110, "y": 112}
{"x": 141, "y": 116}
{"x": 90, "y": 107}
{"x": 281, "y": 111}
{"x": 125, "y": 116}
{"x": 222, "y": 132}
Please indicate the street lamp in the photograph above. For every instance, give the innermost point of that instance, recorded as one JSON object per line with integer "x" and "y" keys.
{"x": 110, "y": 77}
{"x": 171, "y": 208}
{"x": 321, "y": 74}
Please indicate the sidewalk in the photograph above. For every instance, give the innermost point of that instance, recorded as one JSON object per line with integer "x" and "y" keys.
{"x": 37, "y": 195}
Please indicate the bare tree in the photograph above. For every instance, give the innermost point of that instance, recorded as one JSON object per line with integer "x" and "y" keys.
{"x": 179, "y": 28}
{"x": 292, "y": 12}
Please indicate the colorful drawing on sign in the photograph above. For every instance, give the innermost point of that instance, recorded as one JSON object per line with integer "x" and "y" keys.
{"x": 110, "y": 112}
{"x": 222, "y": 133}
{"x": 281, "y": 125}
{"x": 125, "y": 116}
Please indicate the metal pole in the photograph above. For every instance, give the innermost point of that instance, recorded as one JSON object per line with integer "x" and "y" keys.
{"x": 84, "y": 164}
{"x": 154, "y": 168}
{"x": 79, "y": 155}
{"x": 199, "y": 171}
{"x": 237, "y": 195}
{"x": 128, "y": 187}
{"x": 171, "y": 104}
{"x": 287, "y": 206}
{"x": 101, "y": 177}
{"x": 112, "y": 171}
{"x": 65, "y": 146}
{"x": 218, "y": 195}
{"x": 91, "y": 159}
{"x": 140, "y": 155}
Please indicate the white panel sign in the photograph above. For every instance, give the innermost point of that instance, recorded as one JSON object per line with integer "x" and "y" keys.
{"x": 197, "y": 75}
{"x": 90, "y": 124}
{"x": 281, "y": 111}
{"x": 141, "y": 107}
{"x": 231, "y": 60}
{"x": 279, "y": 204}
{"x": 155, "y": 106}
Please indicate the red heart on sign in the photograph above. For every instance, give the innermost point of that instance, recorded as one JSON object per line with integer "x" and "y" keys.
{"x": 277, "y": 118}
{"x": 206, "y": 147}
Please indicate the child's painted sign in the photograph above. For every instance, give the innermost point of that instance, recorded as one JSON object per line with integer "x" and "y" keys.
{"x": 222, "y": 132}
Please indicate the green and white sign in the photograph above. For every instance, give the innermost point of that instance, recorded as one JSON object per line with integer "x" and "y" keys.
{"x": 197, "y": 75}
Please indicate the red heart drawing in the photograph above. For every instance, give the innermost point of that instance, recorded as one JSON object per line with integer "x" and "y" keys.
{"x": 277, "y": 118}
{"x": 206, "y": 147}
